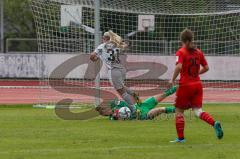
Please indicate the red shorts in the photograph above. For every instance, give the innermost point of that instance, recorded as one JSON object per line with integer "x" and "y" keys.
{"x": 189, "y": 96}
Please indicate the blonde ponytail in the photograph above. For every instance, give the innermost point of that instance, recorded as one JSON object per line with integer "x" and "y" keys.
{"x": 115, "y": 38}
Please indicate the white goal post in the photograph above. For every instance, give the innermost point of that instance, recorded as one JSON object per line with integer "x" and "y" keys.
{"x": 65, "y": 28}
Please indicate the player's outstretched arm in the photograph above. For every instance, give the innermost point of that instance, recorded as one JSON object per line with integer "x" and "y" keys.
{"x": 175, "y": 73}
{"x": 168, "y": 92}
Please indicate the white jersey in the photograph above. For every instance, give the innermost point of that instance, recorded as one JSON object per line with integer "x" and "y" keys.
{"x": 109, "y": 54}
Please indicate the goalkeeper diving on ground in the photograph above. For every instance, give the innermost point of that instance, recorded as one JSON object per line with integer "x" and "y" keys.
{"x": 144, "y": 111}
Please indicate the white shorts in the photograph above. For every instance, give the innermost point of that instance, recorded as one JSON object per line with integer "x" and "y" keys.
{"x": 117, "y": 77}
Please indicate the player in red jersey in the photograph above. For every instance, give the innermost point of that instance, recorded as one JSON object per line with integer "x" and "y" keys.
{"x": 189, "y": 59}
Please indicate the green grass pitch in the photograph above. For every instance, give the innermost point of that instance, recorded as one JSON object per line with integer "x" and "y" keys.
{"x": 28, "y": 133}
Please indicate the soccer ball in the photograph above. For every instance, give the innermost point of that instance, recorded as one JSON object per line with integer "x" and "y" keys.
{"x": 124, "y": 113}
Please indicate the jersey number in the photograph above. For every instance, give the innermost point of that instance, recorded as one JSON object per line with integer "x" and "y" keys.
{"x": 114, "y": 55}
{"x": 193, "y": 68}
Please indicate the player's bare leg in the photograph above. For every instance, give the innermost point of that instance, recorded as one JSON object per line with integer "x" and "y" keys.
{"x": 156, "y": 112}
{"x": 160, "y": 110}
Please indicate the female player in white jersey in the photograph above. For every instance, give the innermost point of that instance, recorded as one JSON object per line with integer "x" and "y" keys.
{"x": 108, "y": 52}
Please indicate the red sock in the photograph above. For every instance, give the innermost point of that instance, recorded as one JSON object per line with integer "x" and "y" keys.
{"x": 207, "y": 118}
{"x": 180, "y": 126}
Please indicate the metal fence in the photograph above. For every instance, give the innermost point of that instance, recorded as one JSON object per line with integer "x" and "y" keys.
{"x": 161, "y": 47}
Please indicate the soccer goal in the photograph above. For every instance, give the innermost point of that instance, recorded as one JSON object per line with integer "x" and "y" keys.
{"x": 66, "y": 32}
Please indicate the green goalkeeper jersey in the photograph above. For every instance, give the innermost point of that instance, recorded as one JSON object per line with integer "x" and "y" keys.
{"x": 142, "y": 109}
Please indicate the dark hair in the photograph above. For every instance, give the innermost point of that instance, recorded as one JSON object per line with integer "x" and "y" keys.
{"x": 187, "y": 38}
{"x": 102, "y": 109}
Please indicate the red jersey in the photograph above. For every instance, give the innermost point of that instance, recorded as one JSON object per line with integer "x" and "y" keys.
{"x": 191, "y": 61}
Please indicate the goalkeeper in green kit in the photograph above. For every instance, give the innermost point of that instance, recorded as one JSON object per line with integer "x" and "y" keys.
{"x": 145, "y": 110}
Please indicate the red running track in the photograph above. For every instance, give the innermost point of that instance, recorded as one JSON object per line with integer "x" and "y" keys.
{"x": 28, "y": 92}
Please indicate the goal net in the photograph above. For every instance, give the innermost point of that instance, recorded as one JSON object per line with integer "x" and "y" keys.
{"x": 65, "y": 31}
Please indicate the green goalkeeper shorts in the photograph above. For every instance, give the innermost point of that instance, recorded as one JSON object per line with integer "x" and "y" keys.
{"x": 145, "y": 107}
